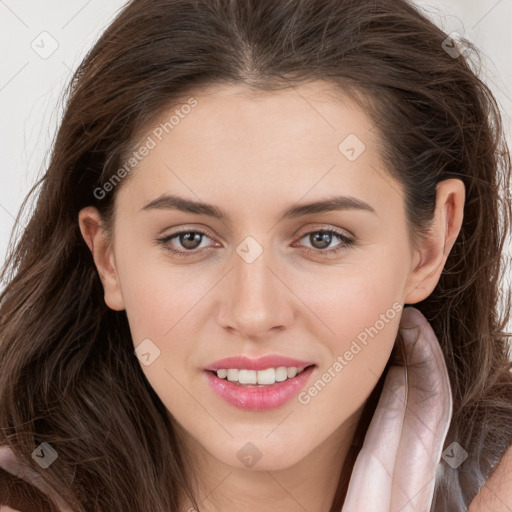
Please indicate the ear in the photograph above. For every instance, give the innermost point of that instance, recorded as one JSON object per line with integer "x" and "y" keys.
{"x": 432, "y": 253}
{"x": 96, "y": 238}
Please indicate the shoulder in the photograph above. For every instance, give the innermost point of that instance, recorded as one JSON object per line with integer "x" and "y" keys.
{"x": 496, "y": 494}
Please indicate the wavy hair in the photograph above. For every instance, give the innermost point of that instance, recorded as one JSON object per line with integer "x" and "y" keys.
{"x": 68, "y": 375}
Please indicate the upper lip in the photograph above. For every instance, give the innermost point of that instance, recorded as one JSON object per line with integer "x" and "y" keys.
{"x": 260, "y": 363}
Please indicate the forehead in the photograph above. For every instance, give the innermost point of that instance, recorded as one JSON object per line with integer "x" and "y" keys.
{"x": 316, "y": 111}
{"x": 238, "y": 142}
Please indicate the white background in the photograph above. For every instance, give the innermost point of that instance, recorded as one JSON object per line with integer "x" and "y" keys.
{"x": 31, "y": 86}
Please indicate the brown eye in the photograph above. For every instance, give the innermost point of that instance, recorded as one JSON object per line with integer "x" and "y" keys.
{"x": 190, "y": 240}
{"x": 187, "y": 243}
{"x": 320, "y": 241}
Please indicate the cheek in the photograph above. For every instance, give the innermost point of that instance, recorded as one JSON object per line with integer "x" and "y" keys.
{"x": 356, "y": 358}
{"x": 160, "y": 297}
{"x": 165, "y": 305}
{"x": 359, "y": 314}
{"x": 346, "y": 300}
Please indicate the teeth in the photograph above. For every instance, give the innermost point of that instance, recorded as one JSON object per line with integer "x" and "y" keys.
{"x": 291, "y": 372}
{"x": 266, "y": 376}
{"x": 281, "y": 374}
{"x": 262, "y": 377}
{"x": 232, "y": 375}
{"x": 247, "y": 377}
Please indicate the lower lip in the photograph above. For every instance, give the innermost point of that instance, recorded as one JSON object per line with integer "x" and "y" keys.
{"x": 254, "y": 398}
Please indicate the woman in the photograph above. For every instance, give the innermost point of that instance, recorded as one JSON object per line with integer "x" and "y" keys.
{"x": 165, "y": 343}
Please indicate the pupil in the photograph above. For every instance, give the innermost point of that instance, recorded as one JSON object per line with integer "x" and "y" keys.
{"x": 323, "y": 238}
{"x": 190, "y": 240}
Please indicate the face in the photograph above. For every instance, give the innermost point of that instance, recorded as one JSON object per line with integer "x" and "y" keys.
{"x": 272, "y": 278}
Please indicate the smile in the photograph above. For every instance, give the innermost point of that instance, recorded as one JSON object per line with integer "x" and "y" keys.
{"x": 258, "y": 390}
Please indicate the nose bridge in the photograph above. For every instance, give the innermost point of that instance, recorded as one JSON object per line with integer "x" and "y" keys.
{"x": 257, "y": 299}
{"x": 253, "y": 279}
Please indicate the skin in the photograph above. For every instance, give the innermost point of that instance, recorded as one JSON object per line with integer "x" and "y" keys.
{"x": 253, "y": 155}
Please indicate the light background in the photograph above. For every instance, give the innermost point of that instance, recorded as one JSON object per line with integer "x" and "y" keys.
{"x": 31, "y": 84}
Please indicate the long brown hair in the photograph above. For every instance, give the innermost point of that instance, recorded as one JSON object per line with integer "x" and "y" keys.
{"x": 66, "y": 359}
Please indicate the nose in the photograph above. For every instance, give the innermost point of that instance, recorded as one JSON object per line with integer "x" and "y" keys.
{"x": 257, "y": 301}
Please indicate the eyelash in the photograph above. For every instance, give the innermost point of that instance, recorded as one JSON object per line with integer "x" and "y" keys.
{"x": 345, "y": 243}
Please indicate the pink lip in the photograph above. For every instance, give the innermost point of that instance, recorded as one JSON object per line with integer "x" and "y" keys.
{"x": 261, "y": 363}
{"x": 256, "y": 398}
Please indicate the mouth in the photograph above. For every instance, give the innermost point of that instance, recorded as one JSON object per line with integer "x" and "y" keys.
{"x": 258, "y": 390}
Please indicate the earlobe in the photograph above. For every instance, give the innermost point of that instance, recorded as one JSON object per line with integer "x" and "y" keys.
{"x": 96, "y": 239}
{"x": 432, "y": 253}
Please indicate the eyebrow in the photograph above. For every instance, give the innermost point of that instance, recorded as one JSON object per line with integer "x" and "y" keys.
{"x": 173, "y": 202}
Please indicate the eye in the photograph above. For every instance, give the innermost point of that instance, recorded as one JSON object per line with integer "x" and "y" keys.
{"x": 321, "y": 239}
{"x": 190, "y": 240}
